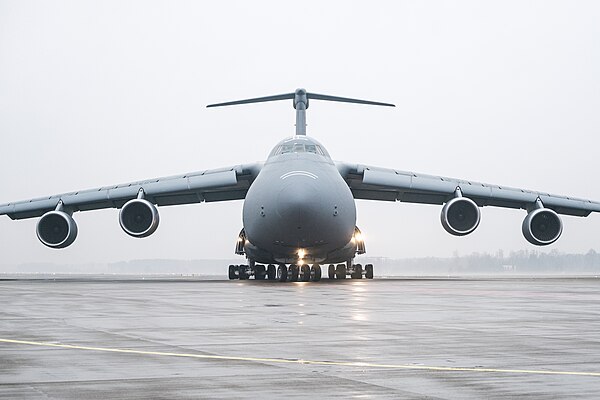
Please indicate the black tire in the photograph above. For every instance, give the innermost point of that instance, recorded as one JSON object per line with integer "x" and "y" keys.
{"x": 305, "y": 273}
{"x": 233, "y": 272}
{"x": 315, "y": 273}
{"x": 259, "y": 272}
{"x": 294, "y": 272}
{"x": 243, "y": 273}
{"x": 340, "y": 271}
{"x": 369, "y": 271}
{"x": 358, "y": 272}
{"x": 282, "y": 273}
{"x": 331, "y": 271}
{"x": 271, "y": 272}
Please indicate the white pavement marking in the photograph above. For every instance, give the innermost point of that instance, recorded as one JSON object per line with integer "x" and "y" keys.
{"x": 305, "y": 362}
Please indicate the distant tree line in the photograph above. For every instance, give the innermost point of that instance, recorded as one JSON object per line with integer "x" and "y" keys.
{"x": 517, "y": 262}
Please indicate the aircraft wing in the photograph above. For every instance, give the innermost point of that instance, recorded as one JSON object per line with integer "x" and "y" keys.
{"x": 373, "y": 183}
{"x": 222, "y": 184}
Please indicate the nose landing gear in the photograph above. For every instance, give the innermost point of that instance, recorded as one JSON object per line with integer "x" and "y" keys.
{"x": 305, "y": 273}
{"x": 315, "y": 273}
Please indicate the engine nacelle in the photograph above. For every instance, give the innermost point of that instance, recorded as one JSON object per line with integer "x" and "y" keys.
{"x": 139, "y": 218}
{"x": 542, "y": 227}
{"x": 56, "y": 229}
{"x": 460, "y": 216}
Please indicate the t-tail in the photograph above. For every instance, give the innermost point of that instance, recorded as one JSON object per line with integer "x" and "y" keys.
{"x": 300, "y": 101}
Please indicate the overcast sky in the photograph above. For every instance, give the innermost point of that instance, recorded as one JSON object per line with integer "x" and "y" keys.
{"x": 97, "y": 93}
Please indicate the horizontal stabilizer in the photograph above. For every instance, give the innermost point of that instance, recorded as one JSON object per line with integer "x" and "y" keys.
{"x": 316, "y": 96}
{"x": 301, "y": 96}
{"x": 286, "y": 96}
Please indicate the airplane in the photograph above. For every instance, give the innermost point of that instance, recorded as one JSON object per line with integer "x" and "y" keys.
{"x": 299, "y": 207}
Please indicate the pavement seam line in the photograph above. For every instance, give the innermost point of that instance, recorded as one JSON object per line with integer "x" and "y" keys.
{"x": 302, "y": 362}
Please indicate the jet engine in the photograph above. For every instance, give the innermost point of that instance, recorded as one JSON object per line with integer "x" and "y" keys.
{"x": 139, "y": 218}
{"x": 542, "y": 227}
{"x": 56, "y": 229}
{"x": 460, "y": 216}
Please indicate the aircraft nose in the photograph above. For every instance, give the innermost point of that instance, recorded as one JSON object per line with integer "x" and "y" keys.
{"x": 305, "y": 211}
{"x": 299, "y": 203}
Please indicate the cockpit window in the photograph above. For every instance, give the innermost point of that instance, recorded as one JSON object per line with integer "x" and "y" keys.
{"x": 286, "y": 148}
{"x": 299, "y": 148}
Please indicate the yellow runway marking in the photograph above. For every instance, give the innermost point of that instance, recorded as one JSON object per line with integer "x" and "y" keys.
{"x": 304, "y": 362}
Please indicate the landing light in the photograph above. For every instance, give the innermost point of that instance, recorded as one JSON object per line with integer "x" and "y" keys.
{"x": 358, "y": 237}
{"x": 301, "y": 253}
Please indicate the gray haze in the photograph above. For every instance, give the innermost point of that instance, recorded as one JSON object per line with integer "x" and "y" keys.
{"x": 96, "y": 93}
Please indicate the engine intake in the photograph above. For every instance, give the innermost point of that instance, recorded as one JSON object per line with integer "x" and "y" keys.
{"x": 56, "y": 229}
{"x": 542, "y": 227}
{"x": 460, "y": 216}
{"x": 139, "y": 218}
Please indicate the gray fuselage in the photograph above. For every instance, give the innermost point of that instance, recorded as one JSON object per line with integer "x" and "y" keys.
{"x": 299, "y": 207}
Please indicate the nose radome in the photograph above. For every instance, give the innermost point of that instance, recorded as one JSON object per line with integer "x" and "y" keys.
{"x": 298, "y": 203}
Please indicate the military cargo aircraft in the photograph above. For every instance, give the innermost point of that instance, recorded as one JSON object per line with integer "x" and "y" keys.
{"x": 299, "y": 205}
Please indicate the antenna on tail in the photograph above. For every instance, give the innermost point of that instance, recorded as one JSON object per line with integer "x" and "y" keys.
{"x": 301, "y": 98}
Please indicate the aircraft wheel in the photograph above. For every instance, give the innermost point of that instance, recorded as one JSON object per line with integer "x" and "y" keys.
{"x": 232, "y": 272}
{"x": 340, "y": 271}
{"x": 305, "y": 269}
{"x": 259, "y": 272}
{"x": 358, "y": 271}
{"x": 271, "y": 272}
{"x": 369, "y": 271}
{"x": 315, "y": 273}
{"x": 294, "y": 272}
{"x": 243, "y": 272}
{"x": 282, "y": 273}
{"x": 331, "y": 271}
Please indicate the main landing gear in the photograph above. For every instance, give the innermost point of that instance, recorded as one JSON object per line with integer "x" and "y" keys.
{"x": 355, "y": 271}
{"x": 282, "y": 273}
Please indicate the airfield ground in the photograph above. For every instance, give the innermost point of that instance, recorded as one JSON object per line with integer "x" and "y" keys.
{"x": 431, "y": 338}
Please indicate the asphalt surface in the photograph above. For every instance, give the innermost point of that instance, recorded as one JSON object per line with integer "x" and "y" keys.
{"x": 386, "y": 338}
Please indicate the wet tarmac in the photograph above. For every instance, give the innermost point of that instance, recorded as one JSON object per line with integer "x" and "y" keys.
{"x": 478, "y": 338}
